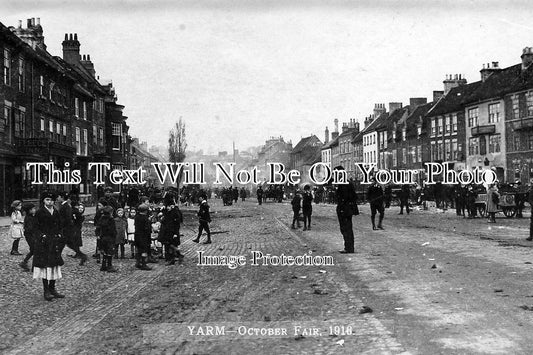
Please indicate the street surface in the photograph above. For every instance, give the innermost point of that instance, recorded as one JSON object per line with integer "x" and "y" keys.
{"x": 430, "y": 283}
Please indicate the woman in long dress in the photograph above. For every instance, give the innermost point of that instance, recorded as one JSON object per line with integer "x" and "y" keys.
{"x": 49, "y": 244}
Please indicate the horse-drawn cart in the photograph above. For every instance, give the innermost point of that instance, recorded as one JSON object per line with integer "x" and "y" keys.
{"x": 506, "y": 205}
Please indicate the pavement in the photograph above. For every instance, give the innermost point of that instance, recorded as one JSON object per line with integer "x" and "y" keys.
{"x": 430, "y": 283}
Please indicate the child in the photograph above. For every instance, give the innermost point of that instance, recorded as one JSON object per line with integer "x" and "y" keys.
{"x": 131, "y": 230}
{"x": 108, "y": 235}
{"x": 17, "y": 226}
{"x": 78, "y": 218}
{"x": 296, "y": 209}
{"x": 307, "y": 208}
{"x": 29, "y": 232}
{"x": 121, "y": 225}
{"x": 143, "y": 230}
{"x": 203, "y": 218}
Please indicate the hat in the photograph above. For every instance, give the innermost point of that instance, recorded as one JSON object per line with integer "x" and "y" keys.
{"x": 120, "y": 209}
{"x": 65, "y": 195}
{"x": 108, "y": 210}
{"x": 143, "y": 208}
{"x": 28, "y": 206}
{"x": 169, "y": 199}
{"x": 16, "y": 203}
{"x": 103, "y": 201}
{"x": 47, "y": 194}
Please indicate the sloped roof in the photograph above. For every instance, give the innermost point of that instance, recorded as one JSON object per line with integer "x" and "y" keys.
{"x": 377, "y": 123}
{"x": 306, "y": 143}
{"x": 454, "y": 100}
{"x": 331, "y": 143}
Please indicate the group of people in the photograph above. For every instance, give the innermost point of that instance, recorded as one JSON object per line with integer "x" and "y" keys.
{"x": 58, "y": 221}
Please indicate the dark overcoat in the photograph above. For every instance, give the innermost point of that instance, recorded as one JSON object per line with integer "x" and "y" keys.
{"x": 170, "y": 225}
{"x": 143, "y": 232}
{"x": 49, "y": 242}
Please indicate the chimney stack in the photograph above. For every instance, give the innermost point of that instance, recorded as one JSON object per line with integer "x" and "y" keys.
{"x": 379, "y": 109}
{"x": 335, "y": 134}
{"x": 414, "y": 102}
{"x": 452, "y": 82}
{"x": 326, "y": 134}
{"x": 394, "y": 106}
{"x": 71, "y": 49}
{"x": 527, "y": 57}
{"x": 32, "y": 35}
{"x": 437, "y": 95}
{"x": 488, "y": 70}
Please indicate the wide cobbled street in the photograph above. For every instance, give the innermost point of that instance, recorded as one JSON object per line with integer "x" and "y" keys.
{"x": 430, "y": 283}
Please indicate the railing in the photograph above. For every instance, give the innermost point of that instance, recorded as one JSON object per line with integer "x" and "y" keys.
{"x": 525, "y": 123}
{"x": 487, "y": 129}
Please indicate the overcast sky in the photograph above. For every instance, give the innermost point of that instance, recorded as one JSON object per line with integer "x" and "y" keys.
{"x": 246, "y": 70}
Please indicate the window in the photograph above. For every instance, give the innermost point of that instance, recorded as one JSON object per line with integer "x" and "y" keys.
{"x": 529, "y": 102}
{"x": 41, "y": 86}
{"x": 117, "y": 135}
{"x": 20, "y": 119}
{"x": 101, "y": 131}
{"x": 494, "y": 143}
{"x": 433, "y": 127}
{"x": 65, "y": 130}
{"x": 473, "y": 115}
{"x": 394, "y": 158}
{"x": 516, "y": 106}
{"x": 454, "y": 123}
{"x": 42, "y": 124}
{"x": 7, "y": 67}
{"x": 95, "y": 135}
{"x": 412, "y": 155}
{"x": 440, "y": 150}
{"x": 494, "y": 113}
{"x": 482, "y": 145}
{"x": 447, "y": 150}
{"x": 439, "y": 126}
{"x": 85, "y": 143}
{"x": 78, "y": 141}
{"x": 447, "y": 127}
{"x": 516, "y": 142}
{"x": 473, "y": 146}
{"x": 76, "y": 107}
{"x": 404, "y": 155}
{"x": 404, "y": 133}
{"x": 5, "y": 122}
{"x": 419, "y": 153}
{"x": 84, "y": 104}
{"x": 433, "y": 151}
{"x": 454, "y": 149}
{"x": 21, "y": 75}
{"x": 530, "y": 142}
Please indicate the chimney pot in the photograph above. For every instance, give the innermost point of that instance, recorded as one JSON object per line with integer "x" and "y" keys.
{"x": 33, "y": 21}
{"x": 38, "y": 21}
{"x": 20, "y": 23}
{"x": 75, "y": 36}
{"x": 66, "y": 36}
{"x": 70, "y": 37}
{"x": 28, "y": 22}
{"x": 88, "y": 57}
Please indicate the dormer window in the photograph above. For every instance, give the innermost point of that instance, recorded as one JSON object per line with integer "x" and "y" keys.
{"x": 404, "y": 134}
{"x": 419, "y": 130}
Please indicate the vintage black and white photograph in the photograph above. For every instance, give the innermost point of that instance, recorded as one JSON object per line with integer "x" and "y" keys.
{"x": 266, "y": 177}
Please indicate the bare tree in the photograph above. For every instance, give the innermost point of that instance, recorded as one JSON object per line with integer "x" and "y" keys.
{"x": 177, "y": 145}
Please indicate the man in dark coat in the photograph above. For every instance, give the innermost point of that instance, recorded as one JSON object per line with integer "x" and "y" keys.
{"x": 242, "y": 193}
{"x": 530, "y": 200}
{"x": 169, "y": 233}
{"x": 48, "y": 246}
{"x": 404, "y": 198}
{"x": 260, "y": 195}
{"x": 108, "y": 235}
{"x": 143, "y": 230}
{"x": 111, "y": 201}
{"x": 67, "y": 225}
{"x": 346, "y": 201}
{"x": 204, "y": 217}
{"x": 375, "y": 197}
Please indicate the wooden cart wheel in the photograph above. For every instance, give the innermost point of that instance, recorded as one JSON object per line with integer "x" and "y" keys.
{"x": 509, "y": 211}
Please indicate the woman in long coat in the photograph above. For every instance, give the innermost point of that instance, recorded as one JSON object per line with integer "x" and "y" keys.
{"x": 49, "y": 244}
{"x": 169, "y": 234}
{"x": 492, "y": 206}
